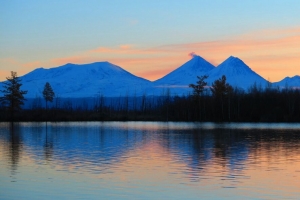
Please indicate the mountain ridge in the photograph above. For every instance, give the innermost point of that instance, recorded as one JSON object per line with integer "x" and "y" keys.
{"x": 104, "y": 78}
{"x": 289, "y": 82}
{"x": 196, "y": 65}
{"x": 87, "y": 80}
{"x": 237, "y": 73}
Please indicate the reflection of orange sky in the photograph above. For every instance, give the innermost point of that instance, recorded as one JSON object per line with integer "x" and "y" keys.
{"x": 274, "y": 54}
{"x": 152, "y": 163}
{"x": 273, "y": 167}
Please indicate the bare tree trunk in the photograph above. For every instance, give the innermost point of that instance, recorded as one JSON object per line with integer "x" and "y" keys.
{"x": 229, "y": 107}
{"x": 222, "y": 107}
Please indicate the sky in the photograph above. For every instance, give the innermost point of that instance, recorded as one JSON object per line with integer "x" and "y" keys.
{"x": 150, "y": 38}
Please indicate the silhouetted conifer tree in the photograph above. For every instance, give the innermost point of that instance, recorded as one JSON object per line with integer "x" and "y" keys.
{"x": 221, "y": 90}
{"x": 48, "y": 93}
{"x": 198, "y": 90}
{"x": 13, "y": 96}
{"x": 199, "y": 87}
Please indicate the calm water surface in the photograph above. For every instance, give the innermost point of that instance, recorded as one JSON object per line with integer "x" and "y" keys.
{"x": 149, "y": 160}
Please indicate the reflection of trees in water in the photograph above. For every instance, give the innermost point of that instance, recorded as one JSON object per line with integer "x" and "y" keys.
{"x": 15, "y": 145}
{"x": 196, "y": 147}
{"x": 81, "y": 145}
{"x": 226, "y": 141}
{"x": 226, "y": 147}
{"x": 192, "y": 146}
{"x": 271, "y": 144}
{"x": 231, "y": 148}
{"x": 48, "y": 146}
{"x": 105, "y": 146}
{"x": 201, "y": 144}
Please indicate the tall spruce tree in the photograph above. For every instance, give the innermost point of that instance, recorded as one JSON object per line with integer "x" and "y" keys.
{"x": 48, "y": 93}
{"x": 220, "y": 87}
{"x": 199, "y": 87}
{"x": 13, "y": 96}
{"x": 221, "y": 91}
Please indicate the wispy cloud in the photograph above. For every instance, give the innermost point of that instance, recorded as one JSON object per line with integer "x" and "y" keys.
{"x": 273, "y": 54}
{"x": 15, "y": 65}
{"x": 131, "y": 21}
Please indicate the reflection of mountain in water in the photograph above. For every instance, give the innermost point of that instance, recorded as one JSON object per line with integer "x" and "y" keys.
{"x": 14, "y": 145}
{"x": 79, "y": 146}
{"x": 97, "y": 147}
{"x": 197, "y": 147}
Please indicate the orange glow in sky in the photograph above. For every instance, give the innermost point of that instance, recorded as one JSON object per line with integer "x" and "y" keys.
{"x": 273, "y": 58}
{"x": 148, "y": 40}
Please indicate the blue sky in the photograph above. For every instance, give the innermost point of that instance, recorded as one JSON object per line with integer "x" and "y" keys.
{"x": 49, "y": 33}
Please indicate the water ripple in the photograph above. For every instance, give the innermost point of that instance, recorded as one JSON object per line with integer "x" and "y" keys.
{"x": 149, "y": 160}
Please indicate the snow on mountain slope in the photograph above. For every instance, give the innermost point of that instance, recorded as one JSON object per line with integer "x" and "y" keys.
{"x": 289, "y": 82}
{"x": 237, "y": 73}
{"x": 178, "y": 80}
{"x": 187, "y": 73}
{"x": 87, "y": 80}
{"x": 104, "y": 78}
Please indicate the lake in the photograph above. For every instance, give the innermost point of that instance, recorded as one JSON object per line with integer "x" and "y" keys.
{"x": 149, "y": 160}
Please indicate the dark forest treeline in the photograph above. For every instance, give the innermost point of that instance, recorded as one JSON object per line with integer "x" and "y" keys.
{"x": 256, "y": 105}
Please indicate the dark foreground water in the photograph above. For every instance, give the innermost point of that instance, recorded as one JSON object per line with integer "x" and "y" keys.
{"x": 149, "y": 160}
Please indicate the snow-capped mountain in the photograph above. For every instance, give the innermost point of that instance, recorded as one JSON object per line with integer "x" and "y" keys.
{"x": 237, "y": 73}
{"x": 104, "y": 78}
{"x": 187, "y": 73}
{"x": 178, "y": 80}
{"x": 87, "y": 80}
{"x": 289, "y": 82}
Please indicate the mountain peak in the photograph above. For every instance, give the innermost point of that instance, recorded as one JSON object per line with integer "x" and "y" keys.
{"x": 232, "y": 60}
{"x": 195, "y": 56}
{"x": 236, "y": 72}
{"x": 88, "y": 64}
{"x": 98, "y": 66}
{"x": 232, "y": 57}
{"x": 198, "y": 59}
{"x": 296, "y": 77}
{"x": 289, "y": 81}
{"x": 234, "y": 63}
{"x": 188, "y": 72}
{"x": 84, "y": 80}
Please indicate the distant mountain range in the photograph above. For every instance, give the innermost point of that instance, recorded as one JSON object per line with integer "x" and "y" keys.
{"x": 87, "y": 80}
{"x": 289, "y": 82}
{"x": 238, "y": 74}
{"x": 109, "y": 80}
